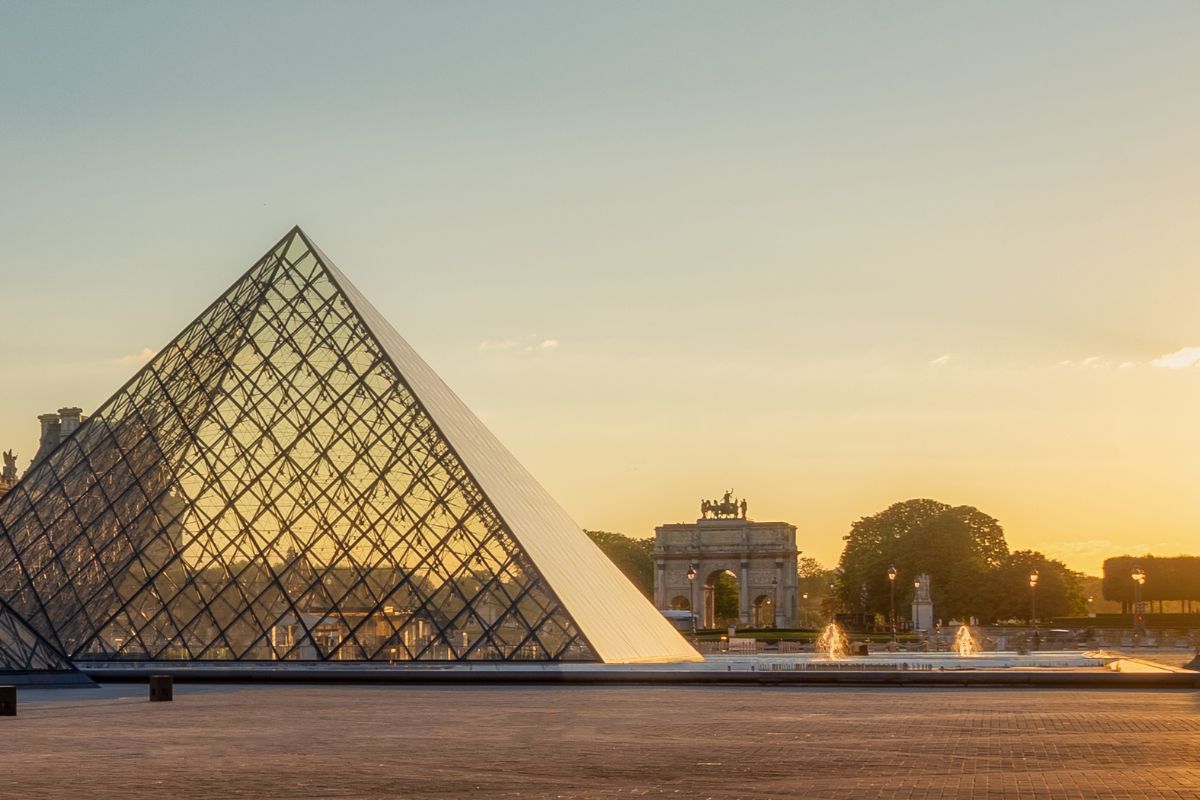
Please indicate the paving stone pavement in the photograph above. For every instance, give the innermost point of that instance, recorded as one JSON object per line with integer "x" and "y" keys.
{"x": 601, "y": 742}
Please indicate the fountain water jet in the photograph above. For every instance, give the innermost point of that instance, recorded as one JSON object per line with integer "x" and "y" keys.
{"x": 833, "y": 642}
{"x": 965, "y": 643}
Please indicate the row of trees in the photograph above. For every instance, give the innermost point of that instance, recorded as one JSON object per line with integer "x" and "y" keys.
{"x": 1173, "y": 579}
{"x": 964, "y": 552}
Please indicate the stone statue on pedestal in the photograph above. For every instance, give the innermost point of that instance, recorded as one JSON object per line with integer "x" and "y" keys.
{"x": 922, "y": 605}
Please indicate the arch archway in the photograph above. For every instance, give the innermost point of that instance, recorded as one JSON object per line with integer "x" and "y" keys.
{"x": 680, "y": 603}
{"x": 763, "y": 611}
{"x": 722, "y": 598}
{"x": 762, "y": 555}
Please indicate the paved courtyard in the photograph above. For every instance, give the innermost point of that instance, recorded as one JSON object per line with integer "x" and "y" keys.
{"x": 581, "y": 742}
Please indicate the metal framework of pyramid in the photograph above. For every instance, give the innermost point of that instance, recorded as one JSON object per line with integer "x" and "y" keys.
{"x": 288, "y": 480}
{"x": 24, "y": 650}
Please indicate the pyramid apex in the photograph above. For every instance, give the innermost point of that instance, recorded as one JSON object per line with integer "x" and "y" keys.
{"x": 297, "y": 231}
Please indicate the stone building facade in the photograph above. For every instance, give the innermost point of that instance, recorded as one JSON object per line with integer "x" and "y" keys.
{"x": 56, "y": 427}
{"x": 760, "y": 555}
{"x": 8, "y": 472}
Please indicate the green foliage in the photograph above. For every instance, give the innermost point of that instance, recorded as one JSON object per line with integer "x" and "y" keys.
{"x": 1175, "y": 578}
{"x": 808, "y": 567}
{"x": 964, "y": 552}
{"x": 1061, "y": 592}
{"x": 726, "y": 600}
{"x": 956, "y": 547}
{"x": 813, "y": 580}
{"x": 634, "y": 557}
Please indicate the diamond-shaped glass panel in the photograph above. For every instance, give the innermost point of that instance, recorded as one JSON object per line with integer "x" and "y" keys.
{"x": 24, "y": 650}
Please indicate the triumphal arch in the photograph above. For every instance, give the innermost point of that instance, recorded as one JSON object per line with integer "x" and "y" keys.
{"x": 691, "y": 558}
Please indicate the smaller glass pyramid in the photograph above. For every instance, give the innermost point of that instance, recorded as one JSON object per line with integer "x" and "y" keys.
{"x": 24, "y": 650}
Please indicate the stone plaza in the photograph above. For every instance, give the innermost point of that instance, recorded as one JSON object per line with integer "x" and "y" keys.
{"x": 584, "y": 742}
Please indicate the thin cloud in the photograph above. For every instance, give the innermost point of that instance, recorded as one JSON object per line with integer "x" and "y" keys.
{"x": 940, "y": 361}
{"x": 1091, "y": 362}
{"x": 1183, "y": 358}
{"x": 136, "y": 359}
{"x": 525, "y": 344}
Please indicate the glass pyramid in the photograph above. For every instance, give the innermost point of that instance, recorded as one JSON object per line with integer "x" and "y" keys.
{"x": 287, "y": 480}
{"x": 23, "y": 650}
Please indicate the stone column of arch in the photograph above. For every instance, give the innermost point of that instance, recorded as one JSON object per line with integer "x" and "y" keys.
{"x": 744, "y": 599}
{"x": 780, "y": 591}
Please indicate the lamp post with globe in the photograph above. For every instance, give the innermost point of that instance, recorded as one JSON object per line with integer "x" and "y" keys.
{"x": 691, "y": 576}
{"x": 1139, "y": 619}
{"x": 1033, "y": 582}
{"x": 891, "y": 573}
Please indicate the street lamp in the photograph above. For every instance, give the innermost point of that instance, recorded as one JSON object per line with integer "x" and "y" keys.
{"x": 916, "y": 621}
{"x": 1033, "y": 580}
{"x": 1139, "y": 579}
{"x": 691, "y": 573}
{"x": 892, "y": 587}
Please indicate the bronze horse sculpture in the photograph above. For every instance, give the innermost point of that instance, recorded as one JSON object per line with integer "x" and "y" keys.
{"x": 726, "y": 507}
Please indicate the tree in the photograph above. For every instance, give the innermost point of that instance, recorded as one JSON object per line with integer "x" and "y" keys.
{"x": 808, "y": 567}
{"x": 812, "y": 578}
{"x": 634, "y": 557}
{"x": 725, "y": 600}
{"x": 955, "y": 546}
{"x": 812, "y": 585}
{"x": 1060, "y": 591}
{"x": 1176, "y": 578}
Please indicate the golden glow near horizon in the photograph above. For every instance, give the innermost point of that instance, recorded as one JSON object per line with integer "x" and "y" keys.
{"x": 851, "y": 256}
{"x": 1082, "y": 463}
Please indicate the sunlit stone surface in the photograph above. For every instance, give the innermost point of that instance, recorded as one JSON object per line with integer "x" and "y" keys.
{"x": 487, "y": 742}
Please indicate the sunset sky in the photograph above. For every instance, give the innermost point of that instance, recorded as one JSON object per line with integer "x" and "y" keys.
{"x": 830, "y": 257}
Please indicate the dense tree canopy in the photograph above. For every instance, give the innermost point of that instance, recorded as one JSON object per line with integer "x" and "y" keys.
{"x": 725, "y": 600}
{"x": 1175, "y": 578}
{"x": 963, "y": 551}
{"x": 634, "y": 557}
{"x": 955, "y": 546}
{"x": 808, "y": 568}
{"x": 813, "y": 594}
{"x": 1060, "y": 591}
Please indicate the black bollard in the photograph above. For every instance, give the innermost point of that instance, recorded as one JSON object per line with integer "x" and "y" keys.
{"x": 161, "y": 688}
{"x": 8, "y": 701}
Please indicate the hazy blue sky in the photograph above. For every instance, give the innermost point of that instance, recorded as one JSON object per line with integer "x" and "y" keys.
{"x": 830, "y": 256}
